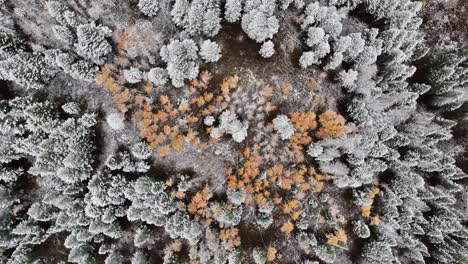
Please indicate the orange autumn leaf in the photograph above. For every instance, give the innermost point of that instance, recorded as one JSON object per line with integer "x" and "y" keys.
{"x": 148, "y": 88}
{"x": 212, "y": 108}
{"x": 212, "y": 141}
{"x": 160, "y": 138}
{"x": 162, "y": 116}
{"x": 225, "y": 88}
{"x": 183, "y": 108}
{"x": 373, "y": 193}
{"x": 268, "y": 90}
{"x": 153, "y": 145}
{"x": 259, "y": 198}
{"x": 312, "y": 85}
{"x": 105, "y": 70}
{"x": 168, "y": 107}
{"x": 340, "y": 237}
{"x": 146, "y": 123}
{"x": 176, "y": 145}
{"x": 138, "y": 99}
{"x": 122, "y": 41}
{"x": 205, "y": 78}
{"x": 287, "y": 228}
{"x": 277, "y": 200}
{"x": 233, "y": 80}
{"x": 122, "y": 107}
{"x": 296, "y": 215}
{"x": 202, "y": 146}
{"x": 169, "y": 182}
{"x": 332, "y": 125}
{"x": 198, "y": 204}
{"x": 174, "y": 113}
{"x": 163, "y": 151}
{"x": 290, "y": 206}
{"x": 176, "y": 246}
{"x": 375, "y": 221}
{"x": 208, "y": 97}
{"x": 247, "y": 152}
{"x": 271, "y": 254}
{"x": 164, "y": 99}
{"x": 205, "y": 112}
{"x": 286, "y": 88}
{"x": 366, "y": 210}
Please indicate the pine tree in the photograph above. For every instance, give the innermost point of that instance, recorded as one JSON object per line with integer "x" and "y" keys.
{"x": 230, "y": 124}
{"x": 149, "y": 7}
{"x": 27, "y": 69}
{"x": 132, "y": 75}
{"x": 284, "y": 126}
{"x": 77, "y": 68}
{"x": 92, "y": 42}
{"x": 198, "y": 17}
{"x": 260, "y": 24}
{"x": 158, "y": 76}
{"x": 181, "y": 57}
{"x": 116, "y": 121}
{"x": 210, "y": 51}
{"x": 267, "y": 50}
{"x": 233, "y": 10}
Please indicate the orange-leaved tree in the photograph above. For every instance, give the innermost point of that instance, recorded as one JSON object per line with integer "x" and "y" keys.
{"x": 332, "y": 125}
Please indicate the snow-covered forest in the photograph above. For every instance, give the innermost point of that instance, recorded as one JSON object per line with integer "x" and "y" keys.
{"x": 233, "y": 131}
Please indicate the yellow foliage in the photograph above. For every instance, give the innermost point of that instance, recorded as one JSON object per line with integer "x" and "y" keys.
{"x": 163, "y": 151}
{"x": 304, "y": 121}
{"x": 231, "y": 237}
{"x": 164, "y": 99}
{"x": 287, "y": 227}
{"x": 176, "y": 246}
{"x": 199, "y": 203}
{"x": 312, "y": 85}
{"x": 373, "y": 193}
{"x": 268, "y": 90}
{"x": 333, "y": 240}
{"x": 271, "y": 254}
{"x": 333, "y": 125}
{"x": 296, "y": 215}
{"x": 290, "y": 206}
{"x": 286, "y": 88}
{"x": 375, "y": 221}
{"x": 148, "y": 88}
{"x": 366, "y": 210}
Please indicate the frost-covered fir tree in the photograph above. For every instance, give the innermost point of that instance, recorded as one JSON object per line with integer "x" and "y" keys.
{"x": 92, "y": 42}
{"x": 133, "y": 75}
{"x": 233, "y": 10}
{"x": 267, "y": 50}
{"x": 198, "y": 17}
{"x": 230, "y": 124}
{"x": 181, "y": 57}
{"x": 149, "y": 7}
{"x": 210, "y": 51}
{"x": 158, "y": 76}
{"x": 259, "y": 23}
{"x": 284, "y": 126}
{"x": 77, "y": 68}
{"x": 29, "y": 70}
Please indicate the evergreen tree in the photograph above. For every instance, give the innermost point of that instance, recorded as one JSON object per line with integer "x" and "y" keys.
{"x": 259, "y": 23}
{"x": 181, "y": 57}
{"x": 210, "y": 51}
{"x": 267, "y": 50}
{"x": 92, "y": 42}
{"x": 233, "y": 10}
{"x": 149, "y": 7}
